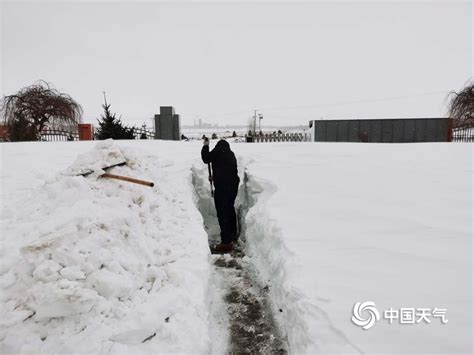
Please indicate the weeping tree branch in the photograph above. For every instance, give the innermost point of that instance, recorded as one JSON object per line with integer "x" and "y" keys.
{"x": 461, "y": 106}
{"x": 37, "y": 107}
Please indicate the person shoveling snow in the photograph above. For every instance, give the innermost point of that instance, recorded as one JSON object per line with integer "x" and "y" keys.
{"x": 226, "y": 181}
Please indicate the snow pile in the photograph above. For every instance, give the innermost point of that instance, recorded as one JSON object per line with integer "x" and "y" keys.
{"x": 92, "y": 265}
{"x": 105, "y": 154}
{"x": 308, "y": 328}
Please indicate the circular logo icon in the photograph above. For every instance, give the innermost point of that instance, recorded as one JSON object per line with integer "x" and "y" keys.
{"x": 371, "y": 314}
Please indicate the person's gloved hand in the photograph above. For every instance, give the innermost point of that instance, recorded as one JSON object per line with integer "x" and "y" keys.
{"x": 206, "y": 141}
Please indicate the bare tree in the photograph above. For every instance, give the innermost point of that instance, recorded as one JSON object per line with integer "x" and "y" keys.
{"x": 37, "y": 107}
{"x": 461, "y": 106}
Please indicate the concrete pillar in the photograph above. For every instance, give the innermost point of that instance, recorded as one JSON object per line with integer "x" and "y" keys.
{"x": 167, "y": 124}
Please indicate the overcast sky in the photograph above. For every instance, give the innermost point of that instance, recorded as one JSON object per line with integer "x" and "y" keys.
{"x": 219, "y": 61}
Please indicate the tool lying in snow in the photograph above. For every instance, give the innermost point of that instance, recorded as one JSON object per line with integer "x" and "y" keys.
{"x": 105, "y": 156}
{"x": 119, "y": 177}
{"x": 129, "y": 179}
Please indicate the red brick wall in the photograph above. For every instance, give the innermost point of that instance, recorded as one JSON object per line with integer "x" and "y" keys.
{"x": 3, "y": 132}
{"x": 86, "y": 132}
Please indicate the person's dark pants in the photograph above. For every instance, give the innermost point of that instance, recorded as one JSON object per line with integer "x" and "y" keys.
{"x": 224, "y": 199}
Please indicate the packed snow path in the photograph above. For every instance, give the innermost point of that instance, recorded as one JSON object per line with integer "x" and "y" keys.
{"x": 251, "y": 326}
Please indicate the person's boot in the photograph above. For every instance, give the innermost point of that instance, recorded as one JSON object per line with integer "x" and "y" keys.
{"x": 224, "y": 247}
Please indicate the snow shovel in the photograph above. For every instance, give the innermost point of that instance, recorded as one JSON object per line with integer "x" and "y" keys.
{"x": 120, "y": 177}
{"x": 210, "y": 179}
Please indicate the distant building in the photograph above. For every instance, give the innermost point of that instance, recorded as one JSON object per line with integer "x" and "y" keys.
{"x": 202, "y": 124}
{"x": 167, "y": 125}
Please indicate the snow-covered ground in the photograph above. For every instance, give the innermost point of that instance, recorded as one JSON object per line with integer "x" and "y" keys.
{"x": 343, "y": 223}
{"x": 95, "y": 265}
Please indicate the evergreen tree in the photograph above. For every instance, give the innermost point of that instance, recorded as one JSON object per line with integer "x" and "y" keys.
{"x": 112, "y": 127}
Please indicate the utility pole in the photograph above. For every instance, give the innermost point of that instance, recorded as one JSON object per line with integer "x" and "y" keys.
{"x": 254, "y": 122}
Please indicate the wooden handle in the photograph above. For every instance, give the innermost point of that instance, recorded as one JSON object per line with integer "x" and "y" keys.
{"x": 129, "y": 179}
{"x": 210, "y": 179}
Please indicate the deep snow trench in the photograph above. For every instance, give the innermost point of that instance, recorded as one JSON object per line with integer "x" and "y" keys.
{"x": 242, "y": 320}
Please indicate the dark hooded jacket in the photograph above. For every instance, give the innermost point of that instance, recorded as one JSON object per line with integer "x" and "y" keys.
{"x": 224, "y": 164}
